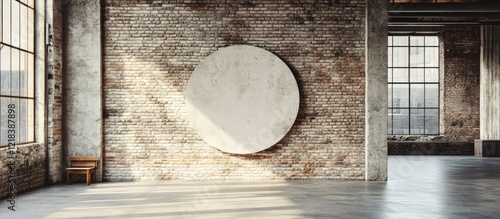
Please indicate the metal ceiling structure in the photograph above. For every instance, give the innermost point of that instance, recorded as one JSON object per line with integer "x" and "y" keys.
{"x": 441, "y": 12}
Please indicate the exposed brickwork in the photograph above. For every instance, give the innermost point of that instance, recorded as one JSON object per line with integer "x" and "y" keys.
{"x": 30, "y": 168}
{"x": 54, "y": 98}
{"x": 461, "y": 83}
{"x": 459, "y": 90}
{"x": 151, "y": 48}
{"x": 431, "y": 148}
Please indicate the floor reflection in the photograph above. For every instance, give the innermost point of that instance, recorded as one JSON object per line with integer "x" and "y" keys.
{"x": 418, "y": 187}
{"x": 441, "y": 187}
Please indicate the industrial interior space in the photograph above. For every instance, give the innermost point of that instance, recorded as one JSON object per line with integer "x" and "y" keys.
{"x": 250, "y": 109}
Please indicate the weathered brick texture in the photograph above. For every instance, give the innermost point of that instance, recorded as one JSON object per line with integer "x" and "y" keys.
{"x": 152, "y": 47}
{"x": 430, "y": 148}
{"x": 29, "y": 169}
{"x": 461, "y": 83}
{"x": 54, "y": 97}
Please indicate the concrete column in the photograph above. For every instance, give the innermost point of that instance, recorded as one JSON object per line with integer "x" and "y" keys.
{"x": 490, "y": 82}
{"x": 40, "y": 86}
{"x": 82, "y": 80}
{"x": 489, "y": 144}
{"x": 376, "y": 90}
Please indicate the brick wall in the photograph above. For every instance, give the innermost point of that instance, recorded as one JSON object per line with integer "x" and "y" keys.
{"x": 29, "y": 170}
{"x": 461, "y": 83}
{"x": 151, "y": 48}
{"x": 430, "y": 148}
{"x": 54, "y": 98}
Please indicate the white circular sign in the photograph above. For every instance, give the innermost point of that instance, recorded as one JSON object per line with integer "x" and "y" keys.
{"x": 242, "y": 99}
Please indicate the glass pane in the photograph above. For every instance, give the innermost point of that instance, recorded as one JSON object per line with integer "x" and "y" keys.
{"x": 400, "y": 95}
{"x": 432, "y": 75}
{"x": 400, "y": 74}
{"x": 431, "y": 57}
{"x": 22, "y": 119}
{"x": 432, "y": 121}
{"x": 31, "y": 31}
{"x": 4, "y": 102}
{"x": 389, "y": 93}
{"x": 417, "y": 57}
{"x": 6, "y": 22}
{"x": 389, "y": 57}
{"x": 5, "y": 70}
{"x": 400, "y": 40}
{"x": 431, "y": 41}
{"x": 23, "y": 27}
{"x": 31, "y": 121}
{"x": 15, "y": 73}
{"x": 22, "y": 75}
{"x": 432, "y": 95}
{"x": 389, "y": 122}
{"x": 400, "y": 57}
{"x": 413, "y": 60}
{"x": 30, "y": 74}
{"x": 417, "y": 75}
{"x": 400, "y": 122}
{"x": 417, "y": 95}
{"x": 417, "y": 41}
{"x": 417, "y": 119}
{"x": 15, "y": 23}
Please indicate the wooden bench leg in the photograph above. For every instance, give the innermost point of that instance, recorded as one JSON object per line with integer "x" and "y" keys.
{"x": 68, "y": 178}
{"x": 88, "y": 177}
{"x": 94, "y": 177}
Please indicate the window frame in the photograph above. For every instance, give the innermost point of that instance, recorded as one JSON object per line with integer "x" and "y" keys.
{"x": 22, "y": 49}
{"x": 408, "y": 130}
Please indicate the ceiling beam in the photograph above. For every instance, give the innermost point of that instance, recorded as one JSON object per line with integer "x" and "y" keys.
{"x": 476, "y": 7}
{"x": 444, "y": 15}
{"x": 414, "y": 30}
{"x": 439, "y": 23}
{"x": 423, "y": 14}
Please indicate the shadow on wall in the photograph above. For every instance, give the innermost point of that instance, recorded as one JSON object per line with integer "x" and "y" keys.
{"x": 148, "y": 136}
{"x": 146, "y": 128}
{"x": 148, "y": 140}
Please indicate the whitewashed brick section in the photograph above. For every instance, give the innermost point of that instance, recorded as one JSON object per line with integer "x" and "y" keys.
{"x": 152, "y": 47}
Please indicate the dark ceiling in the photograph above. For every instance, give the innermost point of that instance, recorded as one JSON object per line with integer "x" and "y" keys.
{"x": 443, "y": 12}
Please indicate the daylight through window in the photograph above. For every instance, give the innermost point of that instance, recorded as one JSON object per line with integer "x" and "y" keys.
{"x": 413, "y": 85}
{"x": 17, "y": 71}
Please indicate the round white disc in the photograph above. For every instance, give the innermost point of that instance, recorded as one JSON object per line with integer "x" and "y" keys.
{"x": 242, "y": 99}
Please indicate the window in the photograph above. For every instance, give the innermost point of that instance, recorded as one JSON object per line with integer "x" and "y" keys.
{"x": 17, "y": 71}
{"x": 413, "y": 85}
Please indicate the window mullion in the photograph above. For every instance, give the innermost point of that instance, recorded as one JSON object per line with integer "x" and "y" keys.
{"x": 409, "y": 86}
{"x": 425, "y": 96}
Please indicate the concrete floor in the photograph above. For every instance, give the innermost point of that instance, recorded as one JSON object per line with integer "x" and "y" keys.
{"x": 418, "y": 187}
